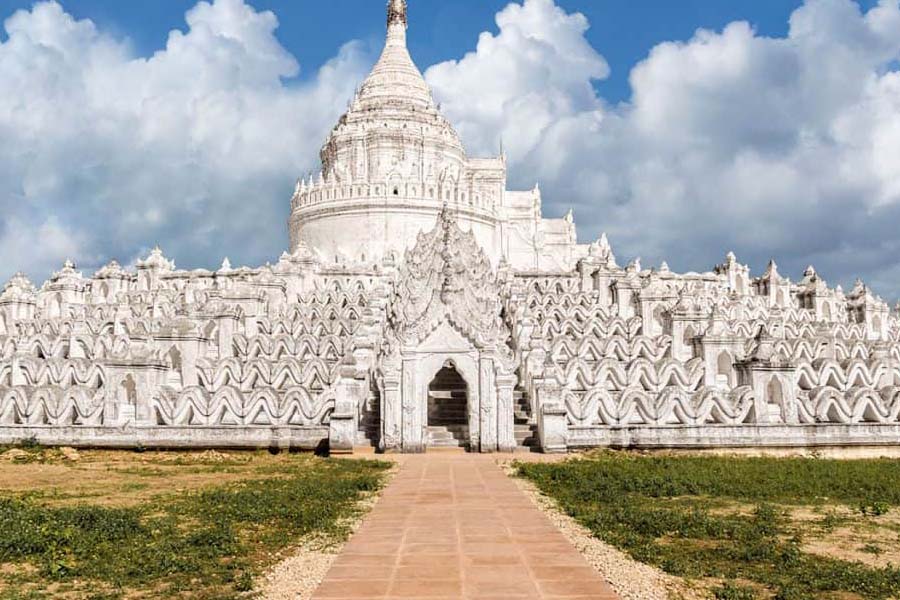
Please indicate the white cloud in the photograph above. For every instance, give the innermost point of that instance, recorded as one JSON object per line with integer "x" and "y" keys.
{"x": 535, "y": 72}
{"x": 786, "y": 147}
{"x": 103, "y": 152}
{"x": 17, "y": 246}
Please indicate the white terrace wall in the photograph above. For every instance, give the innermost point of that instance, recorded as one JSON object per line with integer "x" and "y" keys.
{"x": 692, "y": 361}
{"x": 236, "y": 358}
{"x": 405, "y": 252}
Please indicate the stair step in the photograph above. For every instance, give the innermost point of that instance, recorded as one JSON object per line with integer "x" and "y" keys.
{"x": 369, "y": 430}
{"x": 448, "y": 416}
{"x": 451, "y": 427}
{"x": 451, "y": 443}
{"x": 448, "y": 413}
{"x": 448, "y": 436}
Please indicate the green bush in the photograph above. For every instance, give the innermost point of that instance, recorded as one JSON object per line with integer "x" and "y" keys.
{"x": 874, "y": 509}
{"x": 730, "y": 591}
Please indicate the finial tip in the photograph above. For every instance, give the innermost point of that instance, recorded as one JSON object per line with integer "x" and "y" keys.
{"x": 396, "y": 12}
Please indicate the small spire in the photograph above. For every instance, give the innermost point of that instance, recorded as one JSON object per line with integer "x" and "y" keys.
{"x": 634, "y": 266}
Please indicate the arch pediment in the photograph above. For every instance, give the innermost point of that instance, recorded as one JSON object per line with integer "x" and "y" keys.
{"x": 446, "y": 278}
{"x": 446, "y": 339}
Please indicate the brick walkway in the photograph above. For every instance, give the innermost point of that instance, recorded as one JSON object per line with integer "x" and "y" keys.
{"x": 454, "y": 526}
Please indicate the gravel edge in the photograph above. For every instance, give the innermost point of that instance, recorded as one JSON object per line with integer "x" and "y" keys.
{"x": 631, "y": 580}
{"x": 298, "y": 576}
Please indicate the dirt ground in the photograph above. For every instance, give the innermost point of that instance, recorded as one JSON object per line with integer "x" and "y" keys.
{"x": 111, "y": 478}
{"x": 869, "y": 539}
{"x": 123, "y": 478}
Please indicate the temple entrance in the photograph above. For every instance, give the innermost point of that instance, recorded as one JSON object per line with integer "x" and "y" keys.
{"x": 448, "y": 414}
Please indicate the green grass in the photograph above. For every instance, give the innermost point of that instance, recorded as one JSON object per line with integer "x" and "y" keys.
{"x": 203, "y": 544}
{"x": 730, "y": 591}
{"x": 668, "y": 511}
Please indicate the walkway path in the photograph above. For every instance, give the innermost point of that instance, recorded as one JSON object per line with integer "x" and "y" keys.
{"x": 454, "y": 526}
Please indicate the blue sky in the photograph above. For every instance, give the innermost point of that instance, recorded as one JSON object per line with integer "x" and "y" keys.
{"x": 682, "y": 129}
{"x": 624, "y": 32}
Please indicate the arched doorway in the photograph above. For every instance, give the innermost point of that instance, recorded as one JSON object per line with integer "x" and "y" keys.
{"x": 724, "y": 370}
{"x": 448, "y": 411}
{"x": 775, "y": 400}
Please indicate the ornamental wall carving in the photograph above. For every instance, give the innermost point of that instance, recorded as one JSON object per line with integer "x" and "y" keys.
{"x": 408, "y": 256}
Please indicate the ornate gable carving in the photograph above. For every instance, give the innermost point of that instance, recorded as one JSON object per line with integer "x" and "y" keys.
{"x": 447, "y": 276}
{"x": 18, "y": 288}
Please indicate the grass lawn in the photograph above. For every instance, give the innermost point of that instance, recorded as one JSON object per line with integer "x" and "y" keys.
{"x": 105, "y": 524}
{"x": 788, "y": 529}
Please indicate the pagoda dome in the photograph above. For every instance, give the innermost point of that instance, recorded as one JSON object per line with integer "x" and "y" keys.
{"x": 391, "y": 119}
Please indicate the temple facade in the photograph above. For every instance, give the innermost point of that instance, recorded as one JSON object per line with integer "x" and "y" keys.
{"x": 422, "y": 304}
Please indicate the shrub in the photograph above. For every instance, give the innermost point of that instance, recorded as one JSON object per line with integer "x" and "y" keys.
{"x": 731, "y": 591}
{"x": 873, "y": 509}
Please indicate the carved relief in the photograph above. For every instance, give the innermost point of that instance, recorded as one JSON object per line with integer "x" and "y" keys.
{"x": 551, "y": 331}
{"x": 447, "y": 276}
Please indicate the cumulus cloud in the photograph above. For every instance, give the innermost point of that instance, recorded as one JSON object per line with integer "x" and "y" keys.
{"x": 536, "y": 72}
{"x": 773, "y": 147}
{"x": 786, "y": 147}
{"x": 103, "y": 153}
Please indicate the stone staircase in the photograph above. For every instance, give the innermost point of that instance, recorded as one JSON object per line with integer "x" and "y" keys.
{"x": 448, "y": 436}
{"x": 369, "y": 422}
{"x": 524, "y": 423}
{"x": 448, "y": 417}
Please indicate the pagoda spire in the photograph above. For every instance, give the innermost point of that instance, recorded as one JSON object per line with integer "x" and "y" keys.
{"x": 396, "y": 13}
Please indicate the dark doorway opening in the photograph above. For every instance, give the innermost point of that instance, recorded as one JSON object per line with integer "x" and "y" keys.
{"x": 448, "y": 414}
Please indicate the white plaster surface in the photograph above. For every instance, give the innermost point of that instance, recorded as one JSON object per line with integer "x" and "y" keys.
{"x": 407, "y": 255}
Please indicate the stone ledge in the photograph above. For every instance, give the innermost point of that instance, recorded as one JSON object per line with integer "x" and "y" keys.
{"x": 735, "y": 436}
{"x": 235, "y": 437}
